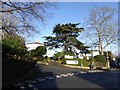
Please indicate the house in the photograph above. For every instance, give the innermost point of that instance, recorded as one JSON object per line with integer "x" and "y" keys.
{"x": 33, "y": 45}
{"x": 95, "y": 52}
{"x": 88, "y": 55}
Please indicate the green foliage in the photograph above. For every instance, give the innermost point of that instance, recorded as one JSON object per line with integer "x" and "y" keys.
{"x": 38, "y": 53}
{"x": 69, "y": 53}
{"x": 101, "y": 59}
{"x": 58, "y": 55}
{"x": 84, "y": 62}
{"x": 33, "y": 53}
{"x": 13, "y": 46}
{"x": 46, "y": 57}
{"x": 109, "y": 55}
{"x": 65, "y": 36}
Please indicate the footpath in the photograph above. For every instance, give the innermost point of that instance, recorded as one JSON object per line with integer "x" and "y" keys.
{"x": 69, "y": 66}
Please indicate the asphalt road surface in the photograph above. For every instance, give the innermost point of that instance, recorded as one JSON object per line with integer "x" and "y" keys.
{"x": 62, "y": 77}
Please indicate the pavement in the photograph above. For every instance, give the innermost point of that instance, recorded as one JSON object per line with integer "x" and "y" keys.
{"x": 71, "y": 66}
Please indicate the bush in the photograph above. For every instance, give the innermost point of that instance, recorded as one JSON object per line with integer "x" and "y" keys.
{"x": 12, "y": 46}
{"x": 58, "y": 55}
{"x": 84, "y": 62}
{"x": 101, "y": 59}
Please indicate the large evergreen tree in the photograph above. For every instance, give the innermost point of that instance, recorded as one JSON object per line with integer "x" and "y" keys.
{"x": 66, "y": 37}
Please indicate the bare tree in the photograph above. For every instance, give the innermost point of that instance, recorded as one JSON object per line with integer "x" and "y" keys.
{"x": 20, "y": 17}
{"x": 102, "y": 28}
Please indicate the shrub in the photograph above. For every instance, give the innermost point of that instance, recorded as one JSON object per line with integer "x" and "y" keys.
{"x": 40, "y": 51}
{"x": 84, "y": 62}
{"x": 58, "y": 55}
{"x": 100, "y": 59}
{"x": 63, "y": 61}
{"x": 12, "y": 46}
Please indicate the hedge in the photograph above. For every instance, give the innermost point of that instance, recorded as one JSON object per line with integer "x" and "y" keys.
{"x": 101, "y": 59}
{"x": 85, "y": 63}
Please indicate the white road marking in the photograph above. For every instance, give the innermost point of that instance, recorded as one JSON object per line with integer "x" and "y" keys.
{"x": 22, "y": 87}
{"x": 18, "y": 84}
{"x": 32, "y": 81}
{"x": 76, "y": 73}
{"x": 58, "y": 76}
{"x": 83, "y": 72}
{"x": 51, "y": 78}
{"x": 40, "y": 79}
{"x": 28, "y": 81}
{"x": 35, "y": 88}
{"x": 70, "y": 74}
{"x": 30, "y": 85}
{"x": 65, "y": 75}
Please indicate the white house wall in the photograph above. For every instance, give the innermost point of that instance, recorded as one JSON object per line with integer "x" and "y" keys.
{"x": 69, "y": 57}
{"x": 95, "y": 53}
{"x": 33, "y": 46}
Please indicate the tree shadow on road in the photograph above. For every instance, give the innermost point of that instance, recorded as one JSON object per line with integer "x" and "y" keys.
{"x": 36, "y": 74}
{"x": 107, "y": 80}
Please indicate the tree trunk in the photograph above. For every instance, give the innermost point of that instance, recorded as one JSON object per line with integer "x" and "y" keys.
{"x": 99, "y": 44}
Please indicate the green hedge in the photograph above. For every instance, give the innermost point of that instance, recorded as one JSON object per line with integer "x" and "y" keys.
{"x": 101, "y": 59}
{"x": 85, "y": 63}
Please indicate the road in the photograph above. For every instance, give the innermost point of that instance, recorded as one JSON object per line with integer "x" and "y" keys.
{"x": 62, "y": 77}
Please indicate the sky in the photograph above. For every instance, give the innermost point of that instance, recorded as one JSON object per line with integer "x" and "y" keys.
{"x": 68, "y": 12}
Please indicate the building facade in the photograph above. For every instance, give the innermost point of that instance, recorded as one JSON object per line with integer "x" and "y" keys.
{"x": 33, "y": 45}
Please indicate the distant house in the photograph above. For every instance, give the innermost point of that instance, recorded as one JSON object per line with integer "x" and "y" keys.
{"x": 69, "y": 57}
{"x": 33, "y": 45}
{"x": 88, "y": 55}
{"x": 95, "y": 52}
